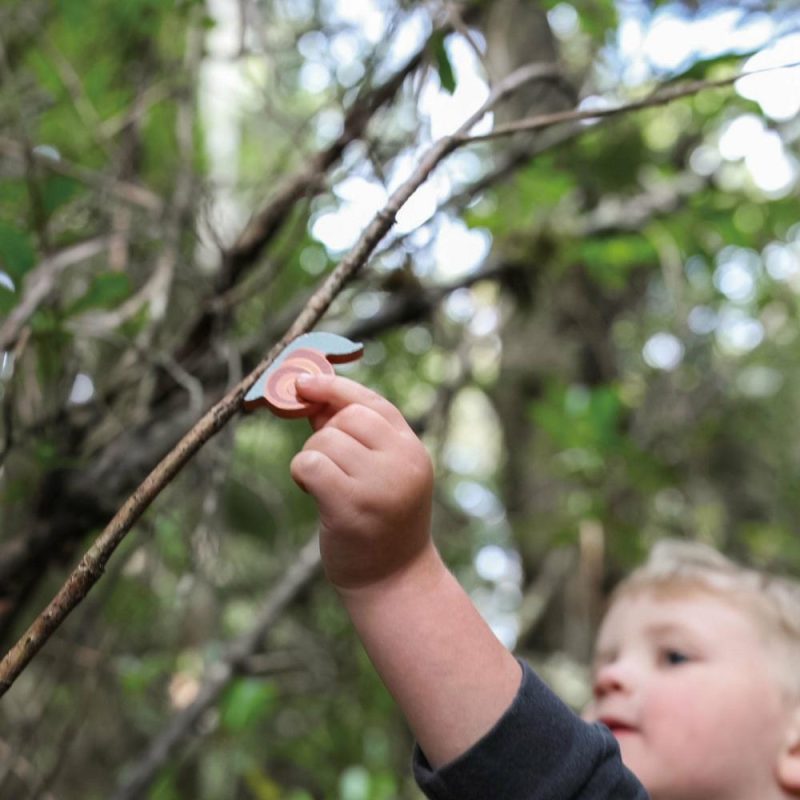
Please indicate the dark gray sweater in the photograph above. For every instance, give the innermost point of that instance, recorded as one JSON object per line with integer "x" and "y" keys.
{"x": 538, "y": 750}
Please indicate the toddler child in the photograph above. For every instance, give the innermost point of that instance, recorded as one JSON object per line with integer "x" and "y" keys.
{"x": 696, "y": 688}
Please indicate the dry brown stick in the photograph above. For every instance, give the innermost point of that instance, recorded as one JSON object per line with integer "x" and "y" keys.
{"x": 131, "y": 193}
{"x": 91, "y": 566}
{"x": 266, "y": 222}
{"x": 150, "y": 97}
{"x": 81, "y": 101}
{"x": 302, "y": 570}
{"x": 41, "y": 281}
{"x": 562, "y": 133}
{"x": 659, "y": 98}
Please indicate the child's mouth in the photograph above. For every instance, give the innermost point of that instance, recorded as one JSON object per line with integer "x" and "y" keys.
{"x": 617, "y": 727}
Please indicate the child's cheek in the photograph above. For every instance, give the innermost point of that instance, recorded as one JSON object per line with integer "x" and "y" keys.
{"x": 678, "y": 718}
{"x": 692, "y": 711}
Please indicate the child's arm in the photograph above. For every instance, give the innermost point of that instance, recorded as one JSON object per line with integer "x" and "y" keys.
{"x": 372, "y": 480}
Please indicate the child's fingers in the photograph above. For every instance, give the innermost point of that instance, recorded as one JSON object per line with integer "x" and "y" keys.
{"x": 336, "y": 392}
{"x": 345, "y": 451}
{"x": 316, "y": 473}
{"x": 364, "y": 424}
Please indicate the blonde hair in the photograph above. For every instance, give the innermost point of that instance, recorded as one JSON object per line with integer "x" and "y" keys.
{"x": 772, "y": 601}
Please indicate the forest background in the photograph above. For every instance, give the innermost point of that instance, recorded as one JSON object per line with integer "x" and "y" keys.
{"x": 592, "y": 323}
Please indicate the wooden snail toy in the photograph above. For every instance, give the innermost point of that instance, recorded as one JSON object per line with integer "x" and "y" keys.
{"x": 312, "y": 353}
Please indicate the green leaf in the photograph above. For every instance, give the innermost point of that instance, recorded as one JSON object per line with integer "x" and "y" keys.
{"x": 261, "y": 786}
{"x": 611, "y": 259}
{"x": 598, "y": 18}
{"x": 106, "y": 291}
{"x": 447, "y": 77}
{"x": 580, "y": 418}
{"x": 17, "y": 254}
{"x": 13, "y": 197}
{"x": 247, "y": 701}
{"x": 57, "y": 191}
{"x": 8, "y": 300}
{"x": 166, "y": 787}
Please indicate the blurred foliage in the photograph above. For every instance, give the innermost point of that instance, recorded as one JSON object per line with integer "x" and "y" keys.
{"x": 594, "y": 333}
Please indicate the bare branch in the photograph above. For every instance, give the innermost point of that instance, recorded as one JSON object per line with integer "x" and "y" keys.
{"x": 263, "y": 226}
{"x": 84, "y": 108}
{"x": 454, "y": 16}
{"x": 308, "y": 182}
{"x": 150, "y": 97}
{"x": 661, "y": 97}
{"x": 40, "y": 281}
{"x": 128, "y": 192}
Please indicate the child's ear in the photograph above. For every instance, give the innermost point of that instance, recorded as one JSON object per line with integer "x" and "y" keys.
{"x": 789, "y": 757}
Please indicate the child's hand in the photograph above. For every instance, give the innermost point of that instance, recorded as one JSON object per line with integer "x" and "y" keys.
{"x": 372, "y": 479}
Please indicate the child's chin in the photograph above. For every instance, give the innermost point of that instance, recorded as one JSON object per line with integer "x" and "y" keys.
{"x": 632, "y": 751}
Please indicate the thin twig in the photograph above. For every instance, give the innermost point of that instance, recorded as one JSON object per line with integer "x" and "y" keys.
{"x": 264, "y": 224}
{"x": 453, "y": 14}
{"x": 150, "y": 97}
{"x": 659, "y": 98}
{"x": 40, "y": 281}
{"x": 81, "y": 101}
{"x": 127, "y": 192}
{"x": 308, "y": 182}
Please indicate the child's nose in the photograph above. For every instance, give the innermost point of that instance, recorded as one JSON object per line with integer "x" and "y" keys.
{"x": 613, "y": 677}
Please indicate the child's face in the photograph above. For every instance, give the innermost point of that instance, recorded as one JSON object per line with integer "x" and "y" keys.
{"x": 686, "y": 685}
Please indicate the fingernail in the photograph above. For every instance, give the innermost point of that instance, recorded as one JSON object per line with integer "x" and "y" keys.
{"x": 308, "y": 380}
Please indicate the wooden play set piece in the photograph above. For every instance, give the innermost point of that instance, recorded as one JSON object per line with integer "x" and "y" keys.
{"x": 313, "y": 354}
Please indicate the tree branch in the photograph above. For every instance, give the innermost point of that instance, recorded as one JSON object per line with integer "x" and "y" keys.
{"x": 660, "y": 97}
{"x": 263, "y": 226}
{"x": 128, "y": 192}
{"x": 267, "y": 222}
{"x": 40, "y": 281}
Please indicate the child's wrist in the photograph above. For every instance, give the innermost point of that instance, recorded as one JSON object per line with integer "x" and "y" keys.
{"x": 414, "y": 579}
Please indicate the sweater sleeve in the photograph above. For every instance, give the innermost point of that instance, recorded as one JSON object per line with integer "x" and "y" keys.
{"x": 538, "y": 749}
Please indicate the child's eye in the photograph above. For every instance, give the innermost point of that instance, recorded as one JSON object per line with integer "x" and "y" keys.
{"x": 672, "y": 656}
